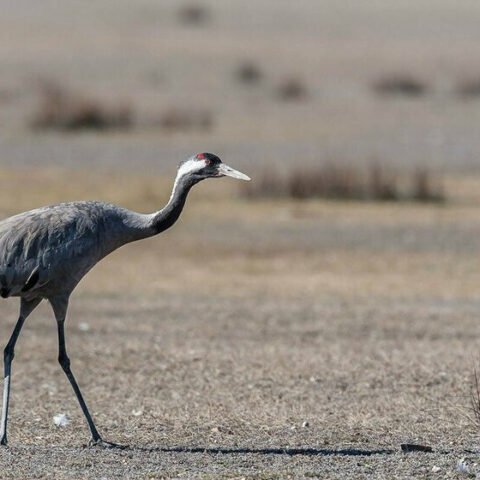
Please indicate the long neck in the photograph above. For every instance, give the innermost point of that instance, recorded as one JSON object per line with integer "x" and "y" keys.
{"x": 169, "y": 214}
{"x": 137, "y": 226}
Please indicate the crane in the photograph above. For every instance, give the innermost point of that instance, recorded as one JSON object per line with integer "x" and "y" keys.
{"x": 45, "y": 252}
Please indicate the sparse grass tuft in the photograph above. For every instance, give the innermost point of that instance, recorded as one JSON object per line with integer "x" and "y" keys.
{"x": 193, "y": 14}
{"x": 469, "y": 88}
{"x": 248, "y": 73}
{"x": 61, "y": 109}
{"x": 292, "y": 89}
{"x": 425, "y": 188}
{"x": 340, "y": 182}
{"x": 175, "y": 119}
{"x": 400, "y": 85}
{"x": 475, "y": 399}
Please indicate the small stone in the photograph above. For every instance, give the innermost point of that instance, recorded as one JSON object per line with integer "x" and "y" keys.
{"x": 305, "y": 424}
{"x": 436, "y": 469}
{"x": 84, "y": 327}
{"x": 137, "y": 413}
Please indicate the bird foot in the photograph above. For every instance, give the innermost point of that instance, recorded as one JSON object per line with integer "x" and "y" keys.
{"x": 3, "y": 441}
{"x": 103, "y": 444}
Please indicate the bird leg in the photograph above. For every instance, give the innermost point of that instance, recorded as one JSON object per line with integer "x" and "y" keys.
{"x": 26, "y": 307}
{"x": 60, "y": 306}
{"x": 8, "y": 355}
{"x": 65, "y": 364}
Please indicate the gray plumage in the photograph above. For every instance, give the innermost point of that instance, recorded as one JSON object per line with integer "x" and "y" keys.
{"x": 45, "y": 252}
{"x": 56, "y": 246}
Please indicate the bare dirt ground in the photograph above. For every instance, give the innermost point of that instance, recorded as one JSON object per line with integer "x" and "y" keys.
{"x": 261, "y": 340}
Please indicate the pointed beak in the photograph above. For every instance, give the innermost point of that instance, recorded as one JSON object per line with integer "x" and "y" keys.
{"x": 225, "y": 170}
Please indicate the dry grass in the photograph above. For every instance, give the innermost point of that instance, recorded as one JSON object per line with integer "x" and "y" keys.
{"x": 400, "y": 85}
{"x": 249, "y": 73}
{"x": 475, "y": 399}
{"x": 185, "y": 120}
{"x": 292, "y": 89}
{"x": 60, "y": 108}
{"x": 63, "y": 109}
{"x": 193, "y": 14}
{"x": 338, "y": 182}
{"x": 469, "y": 89}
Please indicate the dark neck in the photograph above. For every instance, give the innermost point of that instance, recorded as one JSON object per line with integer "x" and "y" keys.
{"x": 168, "y": 215}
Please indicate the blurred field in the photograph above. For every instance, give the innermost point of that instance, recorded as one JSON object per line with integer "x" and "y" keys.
{"x": 268, "y": 338}
{"x": 146, "y": 57}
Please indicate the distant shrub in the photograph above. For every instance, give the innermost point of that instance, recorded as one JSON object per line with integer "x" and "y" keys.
{"x": 400, "y": 85}
{"x": 62, "y": 109}
{"x": 185, "y": 119}
{"x": 194, "y": 14}
{"x": 469, "y": 88}
{"x": 248, "y": 73}
{"x": 345, "y": 183}
{"x": 381, "y": 185}
{"x": 292, "y": 89}
{"x": 328, "y": 182}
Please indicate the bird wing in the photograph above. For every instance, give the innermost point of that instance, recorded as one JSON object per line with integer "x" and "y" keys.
{"x": 60, "y": 242}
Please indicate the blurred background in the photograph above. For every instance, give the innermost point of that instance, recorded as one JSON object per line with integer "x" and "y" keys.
{"x": 339, "y": 287}
{"x": 111, "y": 84}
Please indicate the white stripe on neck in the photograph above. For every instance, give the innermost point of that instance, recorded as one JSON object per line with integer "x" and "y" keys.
{"x": 186, "y": 168}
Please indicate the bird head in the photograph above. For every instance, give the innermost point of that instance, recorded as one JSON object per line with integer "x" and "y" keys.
{"x": 207, "y": 165}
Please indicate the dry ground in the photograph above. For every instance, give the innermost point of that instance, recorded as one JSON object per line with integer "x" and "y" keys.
{"x": 258, "y": 340}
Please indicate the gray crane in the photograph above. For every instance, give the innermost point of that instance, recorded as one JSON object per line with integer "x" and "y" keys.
{"x": 45, "y": 252}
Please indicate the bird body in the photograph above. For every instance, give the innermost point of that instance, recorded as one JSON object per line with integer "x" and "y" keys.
{"x": 56, "y": 246}
{"x": 45, "y": 252}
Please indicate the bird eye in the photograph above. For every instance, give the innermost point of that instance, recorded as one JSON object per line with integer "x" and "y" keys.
{"x": 208, "y": 162}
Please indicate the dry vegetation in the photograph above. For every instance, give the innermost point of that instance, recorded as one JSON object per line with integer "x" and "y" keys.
{"x": 194, "y": 14}
{"x": 292, "y": 89}
{"x": 186, "y": 120}
{"x": 60, "y": 108}
{"x": 400, "y": 85}
{"x": 337, "y": 182}
{"x": 469, "y": 89}
{"x": 249, "y": 73}
{"x": 475, "y": 399}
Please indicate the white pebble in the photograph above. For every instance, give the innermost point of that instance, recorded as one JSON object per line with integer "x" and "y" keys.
{"x": 137, "y": 413}
{"x": 436, "y": 469}
{"x": 84, "y": 327}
